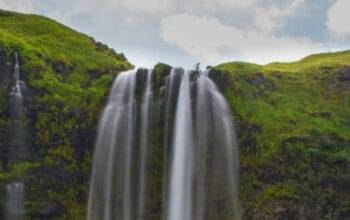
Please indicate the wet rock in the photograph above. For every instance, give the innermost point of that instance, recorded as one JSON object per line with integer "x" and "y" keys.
{"x": 160, "y": 73}
{"x": 141, "y": 81}
{"x": 220, "y": 78}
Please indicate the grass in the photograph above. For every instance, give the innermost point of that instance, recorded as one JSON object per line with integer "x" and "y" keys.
{"x": 302, "y": 111}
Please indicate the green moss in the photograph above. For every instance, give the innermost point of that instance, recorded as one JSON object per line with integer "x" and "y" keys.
{"x": 295, "y": 130}
{"x": 19, "y": 170}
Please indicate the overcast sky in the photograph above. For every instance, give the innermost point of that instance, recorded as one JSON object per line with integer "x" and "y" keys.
{"x": 183, "y": 32}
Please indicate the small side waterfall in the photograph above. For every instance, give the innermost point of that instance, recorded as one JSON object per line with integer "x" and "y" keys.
{"x": 15, "y": 201}
{"x": 200, "y": 160}
{"x": 18, "y": 145}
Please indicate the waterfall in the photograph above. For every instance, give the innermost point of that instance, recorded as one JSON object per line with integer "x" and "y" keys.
{"x": 15, "y": 198}
{"x": 144, "y": 143}
{"x": 200, "y": 154}
{"x": 110, "y": 190}
{"x": 181, "y": 167}
{"x": 18, "y": 150}
{"x": 172, "y": 88}
{"x": 216, "y": 155}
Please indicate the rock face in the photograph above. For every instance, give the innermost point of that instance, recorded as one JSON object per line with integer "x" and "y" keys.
{"x": 5, "y": 83}
{"x": 344, "y": 74}
{"x": 62, "y": 68}
{"x": 6, "y": 71}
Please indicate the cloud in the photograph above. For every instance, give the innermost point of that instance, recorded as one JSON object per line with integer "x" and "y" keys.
{"x": 23, "y": 6}
{"x": 206, "y": 38}
{"x": 145, "y": 5}
{"x": 210, "y": 31}
{"x": 338, "y": 19}
{"x": 270, "y": 18}
{"x": 228, "y": 3}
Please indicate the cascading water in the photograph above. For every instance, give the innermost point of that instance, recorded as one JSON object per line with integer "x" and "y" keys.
{"x": 110, "y": 190}
{"x": 199, "y": 174}
{"x": 15, "y": 201}
{"x": 180, "y": 206}
{"x": 216, "y": 155}
{"x": 172, "y": 85}
{"x": 144, "y": 143}
{"x": 18, "y": 150}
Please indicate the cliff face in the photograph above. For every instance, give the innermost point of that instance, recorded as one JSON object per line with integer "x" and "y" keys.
{"x": 293, "y": 124}
{"x": 68, "y": 76}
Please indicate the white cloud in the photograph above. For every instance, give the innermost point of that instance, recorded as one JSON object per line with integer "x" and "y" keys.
{"x": 338, "y": 18}
{"x": 270, "y": 18}
{"x": 145, "y": 5}
{"x": 159, "y": 8}
{"x": 23, "y": 6}
{"x": 228, "y": 3}
{"x": 206, "y": 38}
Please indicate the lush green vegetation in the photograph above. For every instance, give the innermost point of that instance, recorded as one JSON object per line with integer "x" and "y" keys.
{"x": 69, "y": 75}
{"x": 294, "y": 129}
{"x": 293, "y": 123}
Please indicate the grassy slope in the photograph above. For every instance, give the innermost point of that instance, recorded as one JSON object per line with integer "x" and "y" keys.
{"x": 295, "y": 134}
{"x": 66, "y": 103}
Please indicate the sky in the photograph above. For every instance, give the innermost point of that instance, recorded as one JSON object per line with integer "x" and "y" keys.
{"x": 184, "y": 32}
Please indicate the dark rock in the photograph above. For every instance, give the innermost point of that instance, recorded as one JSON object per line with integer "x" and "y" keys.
{"x": 322, "y": 114}
{"x": 344, "y": 74}
{"x": 160, "y": 73}
{"x": 101, "y": 47}
{"x": 141, "y": 81}
{"x": 4, "y": 13}
{"x": 194, "y": 75}
{"x": 45, "y": 211}
{"x": 62, "y": 68}
{"x": 220, "y": 78}
{"x": 246, "y": 134}
{"x": 257, "y": 80}
{"x": 6, "y": 70}
{"x": 261, "y": 84}
{"x": 282, "y": 209}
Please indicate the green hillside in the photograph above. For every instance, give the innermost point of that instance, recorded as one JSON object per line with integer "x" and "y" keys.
{"x": 69, "y": 75}
{"x": 294, "y": 128}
